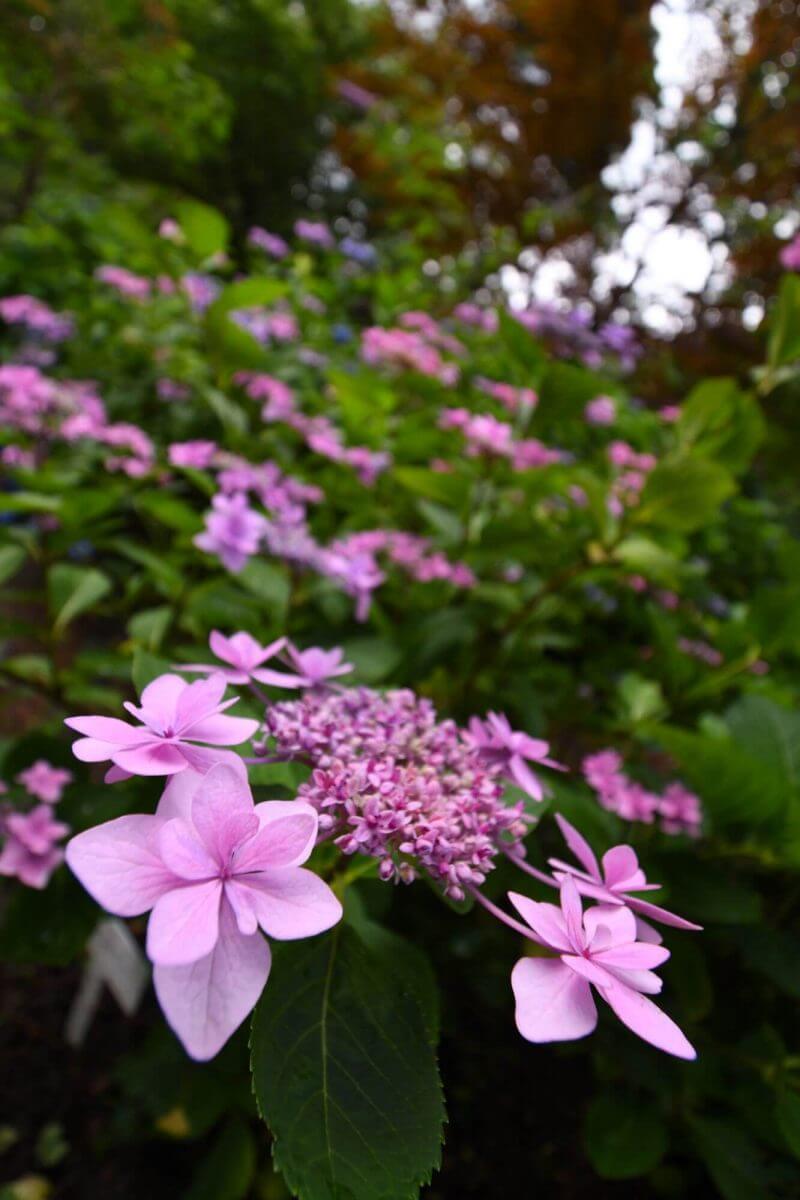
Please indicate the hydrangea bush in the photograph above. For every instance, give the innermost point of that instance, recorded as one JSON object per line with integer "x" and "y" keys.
{"x": 421, "y": 607}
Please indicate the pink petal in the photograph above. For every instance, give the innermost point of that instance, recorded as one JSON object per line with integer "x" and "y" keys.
{"x": 572, "y": 909}
{"x": 176, "y": 799}
{"x": 222, "y": 811}
{"x": 621, "y": 868}
{"x": 107, "y": 729}
{"x": 639, "y": 981}
{"x": 160, "y": 698}
{"x": 242, "y": 901}
{"x": 184, "y": 853}
{"x": 291, "y": 902}
{"x": 648, "y": 1021}
{"x": 155, "y": 758}
{"x": 277, "y": 678}
{"x": 119, "y": 865}
{"x": 198, "y": 700}
{"x": 90, "y": 750}
{"x": 552, "y": 1003}
{"x": 647, "y": 933}
{"x": 116, "y": 775}
{"x": 546, "y": 920}
{"x": 184, "y": 924}
{"x": 580, "y": 847}
{"x": 220, "y": 730}
{"x": 525, "y": 778}
{"x": 206, "y": 1001}
{"x": 589, "y": 970}
{"x": 636, "y": 956}
{"x": 286, "y": 837}
{"x": 659, "y": 914}
{"x": 609, "y": 925}
{"x": 221, "y": 647}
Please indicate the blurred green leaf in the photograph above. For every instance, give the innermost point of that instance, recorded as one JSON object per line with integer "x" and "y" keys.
{"x": 623, "y": 1138}
{"x": 73, "y": 590}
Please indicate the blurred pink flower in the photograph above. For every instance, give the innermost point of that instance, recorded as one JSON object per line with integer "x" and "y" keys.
{"x": 29, "y": 852}
{"x": 44, "y": 781}
{"x": 244, "y": 657}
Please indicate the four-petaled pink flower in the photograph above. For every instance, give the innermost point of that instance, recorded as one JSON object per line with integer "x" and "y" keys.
{"x": 615, "y": 883}
{"x": 44, "y": 781}
{"x": 597, "y": 949}
{"x": 497, "y": 742}
{"x": 214, "y": 868}
{"x": 245, "y": 658}
{"x": 174, "y": 714}
{"x": 30, "y": 853}
{"x": 315, "y": 666}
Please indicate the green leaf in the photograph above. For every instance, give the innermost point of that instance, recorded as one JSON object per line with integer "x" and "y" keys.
{"x": 345, "y": 1074}
{"x": 768, "y": 732}
{"x": 783, "y": 345}
{"x": 226, "y": 1172}
{"x": 374, "y": 658}
{"x": 11, "y": 559}
{"x": 150, "y": 625}
{"x": 721, "y": 421}
{"x": 205, "y": 229}
{"x": 640, "y": 699}
{"x": 645, "y": 557}
{"x": 623, "y": 1138}
{"x": 146, "y": 668}
{"x": 684, "y": 493}
{"x": 787, "y": 1112}
{"x": 270, "y": 584}
{"x": 736, "y": 788}
{"x": 170, "y": 511}
{"x": 72, "y": 590}
{"x": 433, "y": 485}
{"x": 732, "y": 1160}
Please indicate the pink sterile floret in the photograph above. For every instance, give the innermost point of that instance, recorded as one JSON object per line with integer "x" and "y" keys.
{"x": 214, "y": 868}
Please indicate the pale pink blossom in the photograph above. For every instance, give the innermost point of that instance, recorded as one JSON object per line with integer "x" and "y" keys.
{"x": 214, "y": 869}
{"x": 197, "y": 454}
{"x": 233, "y": 531}
{"x": 174, "y": 715}
{"x": 498, "y": 743}
{"x": 29, "y": 852}
{"x": 314, "y": 667}
{"x": 601, "y": 411}
{"x": 597, "y": 949}
{"x": 615, "y": 880}
{"x": 44, "y": 781}
{"x": 244, "y": 658}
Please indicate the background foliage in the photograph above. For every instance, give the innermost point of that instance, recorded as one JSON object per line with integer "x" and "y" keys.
{"x": 484, "y": 137}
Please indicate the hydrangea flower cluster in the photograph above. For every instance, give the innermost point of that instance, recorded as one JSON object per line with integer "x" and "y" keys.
{"x": 319, "y": 433}
{"x": 389, "y": 781}
{"x": 36, "y": 317}
{"x": 484, "y": 434}
{"x": 677, "y": 810}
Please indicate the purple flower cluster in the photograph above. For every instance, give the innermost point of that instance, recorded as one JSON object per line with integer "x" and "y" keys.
{"x": 393, "y": 782}
{"x": 570, "y": 335}
{"x": 484, "y": 434}
{"x": 677, "y": 809}
{"x": 36, "y": 317}
{"x": 319, "y": 433}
